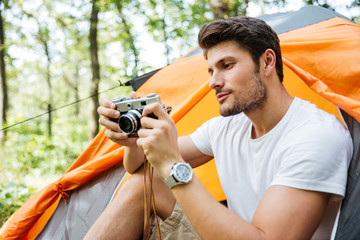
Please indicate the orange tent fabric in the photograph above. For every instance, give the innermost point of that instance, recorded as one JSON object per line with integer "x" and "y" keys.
{"x": 101, "y": 155}
{"x": 330, "y": 67}
{"x": 320, "y": 65}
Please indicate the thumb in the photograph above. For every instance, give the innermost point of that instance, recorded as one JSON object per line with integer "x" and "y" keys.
{"x": 156, "y": 109}
{"x": 133, "y": 95}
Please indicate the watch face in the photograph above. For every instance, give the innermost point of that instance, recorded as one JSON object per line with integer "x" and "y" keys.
{"x": 183, "y": 173}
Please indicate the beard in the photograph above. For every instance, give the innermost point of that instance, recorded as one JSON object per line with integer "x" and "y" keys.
{"x": 252, "y": 100}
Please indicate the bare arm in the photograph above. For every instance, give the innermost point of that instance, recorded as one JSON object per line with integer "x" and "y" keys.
{"x": 190, "y": 153}
{"x": 283, "y": 213}
{"x": 134, "y": 157}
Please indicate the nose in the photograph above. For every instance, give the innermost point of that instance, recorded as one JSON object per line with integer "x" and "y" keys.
{"x": 216, "y": 81}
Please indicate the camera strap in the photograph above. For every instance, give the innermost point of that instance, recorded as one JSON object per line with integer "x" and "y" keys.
{"x": 149, "y": 200}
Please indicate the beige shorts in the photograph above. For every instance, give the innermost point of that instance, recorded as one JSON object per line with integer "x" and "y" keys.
{"x": 177, "y": 226}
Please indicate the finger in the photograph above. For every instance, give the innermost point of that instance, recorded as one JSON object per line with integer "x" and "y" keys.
{"x": 143, "y": 144}
{"x": 149, "y": 122}
{"x": 109, "y": 124}
{"x": 107, "y": 103}
{"x": 108, "y": 112}
{"x": 156, "y": 109}
{"x": 133, "y": 94}
{"x": 115, "y": 136}
{"x": 145, "y": 132}
{"x": 139, "y": 142}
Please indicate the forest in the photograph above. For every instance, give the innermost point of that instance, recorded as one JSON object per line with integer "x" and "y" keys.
{"x": 58, "y": 58}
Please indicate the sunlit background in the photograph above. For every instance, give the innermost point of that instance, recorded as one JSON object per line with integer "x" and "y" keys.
{"x": 48, "y": 66}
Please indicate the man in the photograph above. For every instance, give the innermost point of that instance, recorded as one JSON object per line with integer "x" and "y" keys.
{"x": 280, "y": 160}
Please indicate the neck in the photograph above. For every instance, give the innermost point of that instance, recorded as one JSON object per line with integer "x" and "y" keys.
{"x": 275, "y": 107}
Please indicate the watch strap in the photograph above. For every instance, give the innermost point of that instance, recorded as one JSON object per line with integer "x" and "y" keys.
{"x": 171, "y": 181}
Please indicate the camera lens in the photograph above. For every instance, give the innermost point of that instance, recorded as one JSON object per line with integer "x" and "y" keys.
{"x": 126, "y": 124}
{"x": 130, "y": 122}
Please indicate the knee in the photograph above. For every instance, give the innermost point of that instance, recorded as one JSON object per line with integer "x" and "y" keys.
{"x": 132, "y": 193}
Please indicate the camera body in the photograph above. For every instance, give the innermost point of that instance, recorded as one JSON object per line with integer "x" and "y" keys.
{"x": 131, "y": 111}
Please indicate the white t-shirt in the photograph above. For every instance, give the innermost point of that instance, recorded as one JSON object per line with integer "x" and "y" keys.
{"x": 308, "y": 149}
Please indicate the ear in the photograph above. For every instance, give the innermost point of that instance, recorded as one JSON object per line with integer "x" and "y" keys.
{"x": 268, "y": 62}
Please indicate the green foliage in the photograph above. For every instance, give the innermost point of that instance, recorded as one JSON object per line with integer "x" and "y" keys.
{"x": 28, "y": 149}
{"x": 323, "y": 4}
{"x": 198, "y": 12}
{"x": 175, "y": 21}
{"x": 31, "y": 159}
{"x": 12, "y": 196}
{"x": 355, "y": 4}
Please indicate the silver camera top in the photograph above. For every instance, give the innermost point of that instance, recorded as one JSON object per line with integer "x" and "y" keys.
{"x": 126, "y": 104}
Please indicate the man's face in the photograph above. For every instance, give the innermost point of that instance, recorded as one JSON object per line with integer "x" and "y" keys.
{"x": 235, "y": 78}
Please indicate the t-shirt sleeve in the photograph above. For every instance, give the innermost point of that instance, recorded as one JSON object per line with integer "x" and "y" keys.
{"x": 201, "y": 138}
{"x": 317, "y": 160}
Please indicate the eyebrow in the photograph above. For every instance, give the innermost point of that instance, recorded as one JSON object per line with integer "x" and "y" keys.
{"x": 221, "y": 61}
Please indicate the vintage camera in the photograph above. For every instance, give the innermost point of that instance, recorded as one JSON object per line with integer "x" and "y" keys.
{"x": 131, "y": 111}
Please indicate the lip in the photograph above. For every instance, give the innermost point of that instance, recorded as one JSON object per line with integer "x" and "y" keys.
{"x": 222, "y": 96}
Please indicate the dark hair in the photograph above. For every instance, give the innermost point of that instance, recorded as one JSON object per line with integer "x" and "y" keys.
{"x": 252, "y": 34}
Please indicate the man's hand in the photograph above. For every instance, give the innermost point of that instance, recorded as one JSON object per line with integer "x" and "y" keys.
{"x": 133, "y": 156}
{"x": 113, "y": 132}
{"x": 159, "y": 139}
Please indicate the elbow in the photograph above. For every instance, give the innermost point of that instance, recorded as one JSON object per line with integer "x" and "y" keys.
{"x": 131, "y": 169}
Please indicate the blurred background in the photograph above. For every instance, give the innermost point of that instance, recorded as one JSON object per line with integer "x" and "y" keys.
{"x": 57, "y": 58}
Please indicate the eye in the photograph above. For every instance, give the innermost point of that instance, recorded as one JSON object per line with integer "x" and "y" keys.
{"x": 227, "y": 65}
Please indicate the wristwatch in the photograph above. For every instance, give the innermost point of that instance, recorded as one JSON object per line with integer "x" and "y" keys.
{"x": 181, "y": 173}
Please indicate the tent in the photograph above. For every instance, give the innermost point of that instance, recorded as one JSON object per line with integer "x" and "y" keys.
{"x": 321, "y": 55}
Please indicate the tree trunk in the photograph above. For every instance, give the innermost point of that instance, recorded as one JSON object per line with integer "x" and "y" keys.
{"x": 219, "y": 8}
{"x": 76, "y": 89}
{"x": 244, "y": 9}
{"x": 43, "y": 37}
{"x": 131, "y": 38}
{"x": 166, "y": 37}
{"x": 3, "y": 83}
{"x": 48, "y": 80}
{"x": 95, "y": 69}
